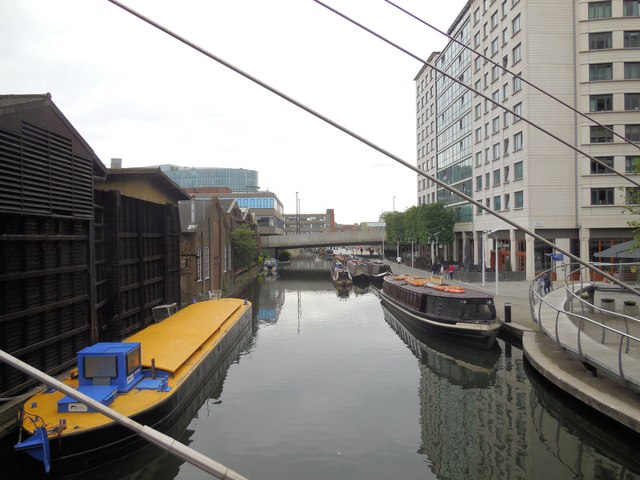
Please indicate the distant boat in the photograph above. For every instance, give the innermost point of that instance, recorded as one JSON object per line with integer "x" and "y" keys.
{"x": 340, "y": 275}
{"x": 270, "y": 264}
{"x": 377, "y": 270}
{"x": 456, "y": 313}
{"x": 358, "y": 269}
{"x": 150, "y": 377}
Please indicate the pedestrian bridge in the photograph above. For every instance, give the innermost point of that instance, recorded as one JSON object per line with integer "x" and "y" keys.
{"x": 329, "y": 239}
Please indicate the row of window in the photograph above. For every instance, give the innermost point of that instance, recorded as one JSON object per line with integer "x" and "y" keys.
{"x": 604, "y": 102}
{"x": 606, "y": 196}
{"x": 630, "y": 8}
{"x": 604, "y": 71}
{"x": 518, "y": 202}
{"x": 631, "y": 164}
{"x": 604, "y": 40}
{"x": 494, "y": 152}
{"x": 599, "y": 134}
{"x": 500, "y": 176}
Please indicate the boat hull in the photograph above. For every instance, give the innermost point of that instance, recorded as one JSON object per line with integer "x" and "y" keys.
{"x": 478, "y": 333}
{"x": 88, "y": 449}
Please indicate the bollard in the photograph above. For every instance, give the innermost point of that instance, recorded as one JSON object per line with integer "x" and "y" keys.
{"x": 507, "y": 313}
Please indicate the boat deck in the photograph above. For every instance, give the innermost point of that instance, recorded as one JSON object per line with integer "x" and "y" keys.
{"x": 403, "y": 281}
{"x": 186, "y": 331}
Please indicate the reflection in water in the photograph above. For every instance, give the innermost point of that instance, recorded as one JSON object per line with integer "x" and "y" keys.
{"x": 481, "y": 419}
{"x": 594, "y": 448}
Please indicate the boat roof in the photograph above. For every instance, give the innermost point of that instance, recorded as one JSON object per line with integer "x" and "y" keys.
{"x": 402, "y": 281}
{"x": 172, "y": 341}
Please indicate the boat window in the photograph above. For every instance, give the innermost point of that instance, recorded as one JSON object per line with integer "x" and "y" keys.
{"x": 133, "y": 361}
{"x": 100, "y": 367}
{"x": 478, "y": 310}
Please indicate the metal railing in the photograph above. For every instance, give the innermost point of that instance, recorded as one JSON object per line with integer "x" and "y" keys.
{"x": 592, "y": 316}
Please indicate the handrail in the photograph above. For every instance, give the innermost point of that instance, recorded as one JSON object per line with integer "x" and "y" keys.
{"x": 572, "y": 293}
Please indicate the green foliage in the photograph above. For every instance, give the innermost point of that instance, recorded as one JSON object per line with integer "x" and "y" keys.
{"x": 632, "y": 205}
{"x": 421, "y": 224}
{"x": 284, "y": 255}
{"x": 245, "y": 246}
{"x": 394, "y": 226}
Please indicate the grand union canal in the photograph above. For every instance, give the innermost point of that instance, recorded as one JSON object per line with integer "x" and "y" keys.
{"x": 329, "y": 385}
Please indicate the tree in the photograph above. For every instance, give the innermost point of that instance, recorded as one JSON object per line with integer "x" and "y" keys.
{"x": 424, "y": 222}
{"x": 244, "y": 245}
{"x": 394, "y": 226}
{"x": 632, "y": 205}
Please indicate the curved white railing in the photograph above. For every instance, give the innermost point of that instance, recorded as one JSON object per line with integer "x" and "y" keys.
{"x": 555, "y": 313}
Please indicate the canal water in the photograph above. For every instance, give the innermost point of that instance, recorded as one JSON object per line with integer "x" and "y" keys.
{"x": 330, "y": 385}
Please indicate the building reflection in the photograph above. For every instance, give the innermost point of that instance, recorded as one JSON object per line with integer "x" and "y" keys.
{"x": 481, "y": 418}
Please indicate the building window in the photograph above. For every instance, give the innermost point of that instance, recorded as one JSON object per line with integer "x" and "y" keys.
{"x": 600, "y": 10}
{"x": 506, "y": 201}
{"x": 515, "y": 25}
{"x": 516, "y": 54}
{"x": 478, "y": 134}
{"x": 495, "y": 96}
{"x": 517, "y": 110}
{"x": 478, "y": 159}
{"x": 505, "y": 37}
{"x": 517, "y": 142}
{"x": 601, "y": 103}
{"x": 496, "y": 203}
{"x": 487, "y": 180}
{"x": 496, "y": 151}
{"x": 206, "y": 262}
{"x": 506, "y": 147}
{"x": 506, "y": 174}
{"x": 495, "y": 73}
{"x": 476, "y": 40}
{"x": 601, "y": 71}
{"x": 517, "y": 84}
{"x": 600, "y": 134}
{"x": 487, "y": 202}
{"x": 494, "y": 46}
{"x": 602, "y": 196}
{"x": 505, "y": 119}
{"x": 631, "y": 8}
{"x": 478, "y": 208}
{"x": 478, "y": 110}
{"x": 632, "y": 101}
{"x": 496, "y": 177}
{"x": 632, "y": 70}
{"x": 518, "y": 171}
{"x": 632, "y": 133}
{"x": 495, "y": 125}
{"x": 478, "y": 183}
{"x": 597, "y": 169}
{"x": 494, "y": 20}
{"x": 505, "y": 91}
{"x": 518, "y": 199}
{"x": 631, "y": 163}
{"x": 476, "y": 15}
{"x": 632, "y": 39}
{"x": 600, "y": 40}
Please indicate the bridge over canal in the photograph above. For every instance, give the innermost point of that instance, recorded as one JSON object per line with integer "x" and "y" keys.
{"x": 329, "y": 239}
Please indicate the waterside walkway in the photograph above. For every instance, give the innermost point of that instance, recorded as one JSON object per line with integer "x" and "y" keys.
{"x": 596, "y": 389}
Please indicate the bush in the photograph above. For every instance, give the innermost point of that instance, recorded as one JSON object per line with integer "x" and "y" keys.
{"x": 284, "y": 255}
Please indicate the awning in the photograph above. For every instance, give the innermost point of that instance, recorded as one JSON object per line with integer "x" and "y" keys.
{"x": 621, "y": 250}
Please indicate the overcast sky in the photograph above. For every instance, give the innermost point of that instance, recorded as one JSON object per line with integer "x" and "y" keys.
{"x": 135, "y": 93}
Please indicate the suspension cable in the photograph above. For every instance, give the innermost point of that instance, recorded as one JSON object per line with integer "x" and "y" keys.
{"x": 370, "y": 144}
{"x": 515, "y": 75}
{"x": 477, "y": 92}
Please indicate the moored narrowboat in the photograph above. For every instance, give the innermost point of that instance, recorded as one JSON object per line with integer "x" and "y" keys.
{"x": 150, "y": 377}
{"x": 453, "y": 312}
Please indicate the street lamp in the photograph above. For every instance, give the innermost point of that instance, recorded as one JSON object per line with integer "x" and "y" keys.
{"x": 434, "y": 243}
{"x": 394, "y": 203}
{"x": 412, "y": 242}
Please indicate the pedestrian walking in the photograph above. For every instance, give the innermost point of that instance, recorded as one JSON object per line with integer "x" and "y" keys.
{"x": 547, "y": 283}
{"x": 541, "y": 285}
{"x": 451, "y": 270}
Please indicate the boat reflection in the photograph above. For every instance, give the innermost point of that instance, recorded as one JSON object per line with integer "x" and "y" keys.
{"x": 593, "y": 445}
{"x": 463, "y": 366}
{"x": 342, "y": 292}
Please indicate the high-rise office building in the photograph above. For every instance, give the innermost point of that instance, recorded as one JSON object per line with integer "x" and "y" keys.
{"x": 237, "y": 179}
{"x": 586, "y": 53}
